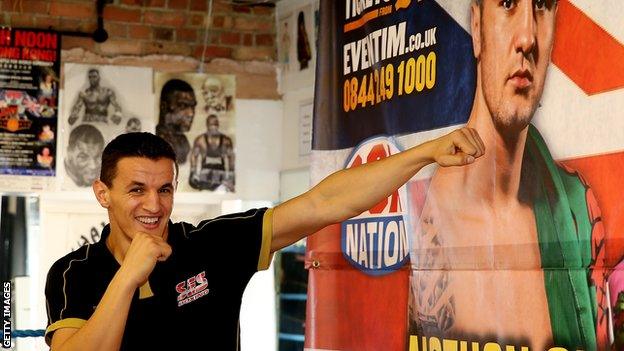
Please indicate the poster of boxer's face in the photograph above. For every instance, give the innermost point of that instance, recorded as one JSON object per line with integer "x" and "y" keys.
{"x": 196, "y": 116}
{"x": 523, "y": 248}
{"x": 100, "y": 102}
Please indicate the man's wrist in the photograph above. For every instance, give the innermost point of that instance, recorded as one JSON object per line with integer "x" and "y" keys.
{"x": 424, "y": 153}
{"x": 124, "y": 281}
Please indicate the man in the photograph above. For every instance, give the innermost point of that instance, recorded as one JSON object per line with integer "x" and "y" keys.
{"x": 214, "y": 96}
{"x": 44, "y": 159}
{"x": 212, "y": 159}
{"x": 96, "y": 100}
{"x": 177, "y": 110}
{"x": 84, "y": 149}
{"x": 504, "y": 244}
{"x": 151, "y": 284}
{"x": 48, "y": 88}
{"x": 47, "y": 134}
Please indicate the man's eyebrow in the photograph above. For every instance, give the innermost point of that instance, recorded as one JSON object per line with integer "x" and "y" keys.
{"x": 135, "y": 183}
{"x": 167, "y": 185}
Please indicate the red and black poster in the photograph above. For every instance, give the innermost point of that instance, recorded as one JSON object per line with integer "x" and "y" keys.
{"x": 29, "y": 79}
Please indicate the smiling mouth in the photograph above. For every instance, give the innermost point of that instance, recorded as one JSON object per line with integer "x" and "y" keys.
{"x": 148, "y": 221}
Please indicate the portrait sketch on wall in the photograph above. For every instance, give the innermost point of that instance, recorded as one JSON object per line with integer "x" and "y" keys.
{"x": 196, "y": 115}
{"x": 284, "y": 37}
{"x": 100, "y": 102}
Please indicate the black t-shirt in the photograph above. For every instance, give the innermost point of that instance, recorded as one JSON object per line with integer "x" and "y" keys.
{"x": 192, "y": 300}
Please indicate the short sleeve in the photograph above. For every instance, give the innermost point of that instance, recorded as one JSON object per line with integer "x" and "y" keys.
{"x": 264, "y": 260}
{"x": 246, "y": 236}
{"x": 66, "y": 306}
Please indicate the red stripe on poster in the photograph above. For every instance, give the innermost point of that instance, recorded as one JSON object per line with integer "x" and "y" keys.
{"x": 587, "y": 53}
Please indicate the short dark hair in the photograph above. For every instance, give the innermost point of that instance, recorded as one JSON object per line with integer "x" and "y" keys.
{"x": 174, "y": 85}
{"x": 138, "y": 144}
{"x": 86, "y": 133}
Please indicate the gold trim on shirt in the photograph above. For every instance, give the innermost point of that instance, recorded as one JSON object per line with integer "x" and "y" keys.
{"x": 76, "y": 323}
{"x": 145, "y": 291}
{"x": 264, "y": 260}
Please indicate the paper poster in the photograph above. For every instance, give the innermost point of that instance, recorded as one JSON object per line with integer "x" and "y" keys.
{"x": 305, "y": 127}
{"x": 29, "y": 76}
{"x": 284, "y": 36}
{"x": 100, "y": 102}
{"x": 196, "y": 115}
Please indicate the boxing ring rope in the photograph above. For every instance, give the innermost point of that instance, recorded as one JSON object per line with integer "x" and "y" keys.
{"x": 27, "y": 333}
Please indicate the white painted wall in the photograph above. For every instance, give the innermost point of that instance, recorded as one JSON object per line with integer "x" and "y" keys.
{"x": 297, "y": 86}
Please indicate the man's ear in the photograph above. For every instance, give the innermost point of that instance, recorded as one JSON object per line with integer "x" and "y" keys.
{"x": 101, "y": 192}
{"x": 475, "y": 28}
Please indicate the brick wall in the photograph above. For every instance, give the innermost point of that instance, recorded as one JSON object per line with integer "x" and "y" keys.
{"x": 145, "y": 27}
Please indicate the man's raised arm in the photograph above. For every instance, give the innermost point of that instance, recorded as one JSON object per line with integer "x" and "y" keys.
{"x": 349, "y": 192}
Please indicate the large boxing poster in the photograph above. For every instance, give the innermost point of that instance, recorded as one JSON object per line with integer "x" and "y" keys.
{"x": 29, "y": 74}
{"x": 521, "y": 250}
{"x": 100, "y": 102}
{"x": 196, "y": 115}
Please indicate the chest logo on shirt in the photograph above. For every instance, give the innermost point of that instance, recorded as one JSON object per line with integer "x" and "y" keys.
{"x": 192, "y": 289}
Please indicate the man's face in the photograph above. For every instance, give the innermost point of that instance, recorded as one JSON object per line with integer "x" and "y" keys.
{"x": 94, "y": 78}
{"x": 212, "y": 125}
{"x": 140, "y": 198}
{"x": 212, "y": 89}
{"x": 513, "y": 42}
{"x": 84, "y": 161}
{"x": 181, "y": 110}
